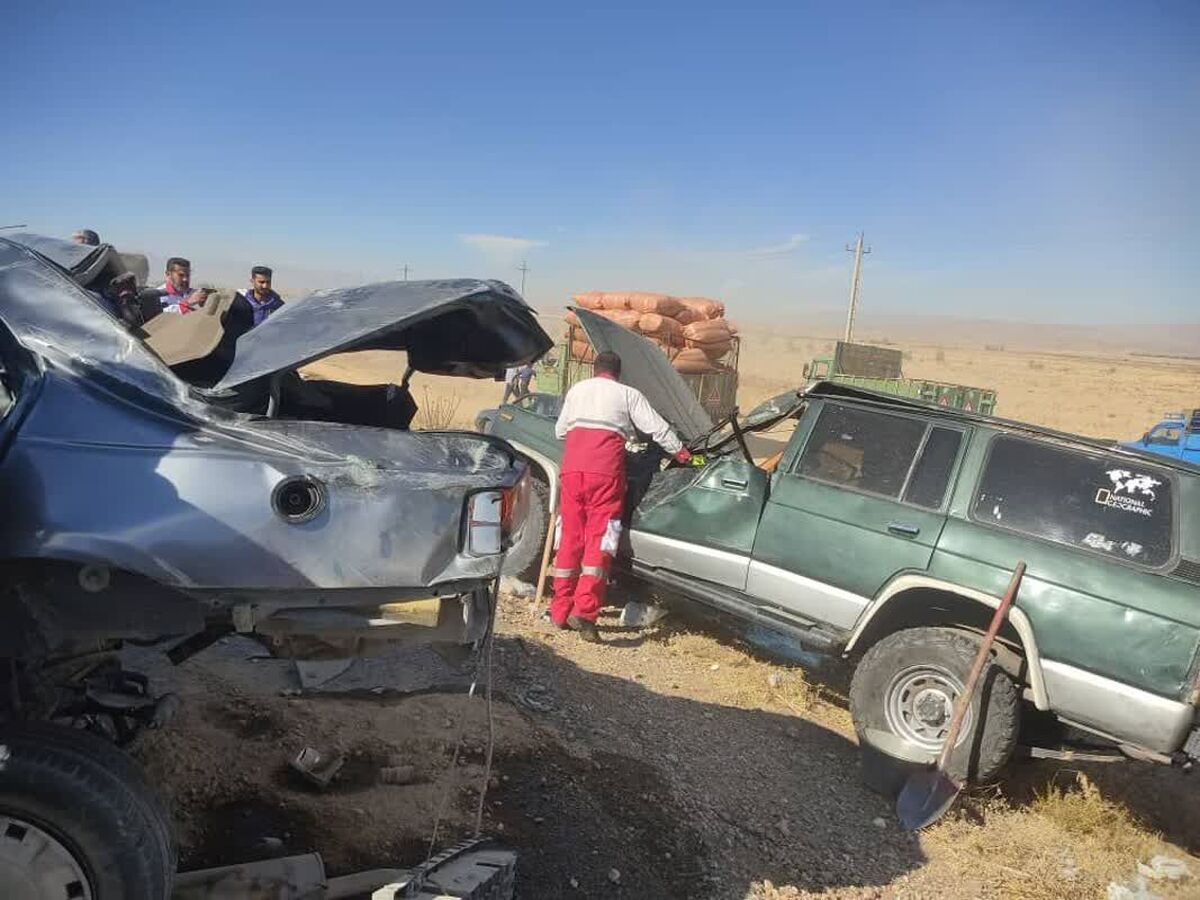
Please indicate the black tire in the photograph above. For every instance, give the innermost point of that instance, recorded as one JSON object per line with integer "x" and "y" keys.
{"x": 524, "y": 558}
{"x": 92, "y": 799}
{"x": 926, "y": 662}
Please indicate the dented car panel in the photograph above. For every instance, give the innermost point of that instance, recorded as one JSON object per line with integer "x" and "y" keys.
{"x": 108, "y": 460}
{"x": 190, "y": 504}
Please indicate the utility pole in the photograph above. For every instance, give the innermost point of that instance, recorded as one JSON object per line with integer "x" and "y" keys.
{"x": 406, "y": 271}
{"x": 523, "y": 269}
{"x": 858, "y": 250}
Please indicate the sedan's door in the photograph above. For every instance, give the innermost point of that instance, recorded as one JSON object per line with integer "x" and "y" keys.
{"x": 862, "y": 500}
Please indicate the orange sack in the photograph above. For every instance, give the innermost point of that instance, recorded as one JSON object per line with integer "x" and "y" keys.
{"x": 662, "y": 304}
{"x": 716, "y": 351}
{"x": 692, "y": 361}
{"x": 710, "y": 309}
{"x": 614, "y": 301}
{"x": 687, "y": 315}
{"x": 711, "y": 331}
{"x": 590, "y": 300}
{"x": 571, "y": 319}
{"x": 661, "y": 328}
{"x": 624, "y": 317}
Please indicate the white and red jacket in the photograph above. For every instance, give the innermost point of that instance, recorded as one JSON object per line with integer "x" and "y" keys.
{"x": 598, "y": 416}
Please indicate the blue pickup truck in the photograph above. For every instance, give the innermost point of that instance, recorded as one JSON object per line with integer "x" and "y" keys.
{"x": 1177, "y": 436}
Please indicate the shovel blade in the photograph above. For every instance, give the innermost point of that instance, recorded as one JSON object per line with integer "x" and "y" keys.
{"x": 925, "y": 798}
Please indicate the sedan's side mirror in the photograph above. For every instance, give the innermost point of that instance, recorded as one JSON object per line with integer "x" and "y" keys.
{"x": 1146, "y": 439}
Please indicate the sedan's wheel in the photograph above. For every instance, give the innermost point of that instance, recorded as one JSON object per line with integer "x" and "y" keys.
{"x": 902, "y": 699}
{"x": 77, "y": 820}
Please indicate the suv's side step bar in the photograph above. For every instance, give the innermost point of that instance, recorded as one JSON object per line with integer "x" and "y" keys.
{"x": 743, "y": 606}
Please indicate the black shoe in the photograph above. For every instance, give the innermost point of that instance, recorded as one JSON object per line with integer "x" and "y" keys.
{"x": 548, "y": 619}
{"x": 587, "y": 630}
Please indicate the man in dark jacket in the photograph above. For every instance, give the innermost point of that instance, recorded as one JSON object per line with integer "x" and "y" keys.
{"x": 253, "y": 307}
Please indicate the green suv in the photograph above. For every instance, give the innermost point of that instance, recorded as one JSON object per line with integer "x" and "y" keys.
{"x": 886, "y": 531}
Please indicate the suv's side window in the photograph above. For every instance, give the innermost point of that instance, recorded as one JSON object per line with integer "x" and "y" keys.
{"x": 1105, "y": 504}
{"x": 861, "y": 449}
{"x": 931, "y": 475}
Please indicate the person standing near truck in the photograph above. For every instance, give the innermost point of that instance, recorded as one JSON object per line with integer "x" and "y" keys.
{"x": 599, "y": 415}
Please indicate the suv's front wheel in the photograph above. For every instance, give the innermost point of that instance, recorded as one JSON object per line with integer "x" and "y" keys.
{"x": 902, "y": 697}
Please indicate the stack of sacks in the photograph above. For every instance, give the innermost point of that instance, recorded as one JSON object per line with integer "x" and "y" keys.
{"x": 692, "y": 331}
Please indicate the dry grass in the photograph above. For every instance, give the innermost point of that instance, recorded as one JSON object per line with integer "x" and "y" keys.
{"x": 1084, "y": 812}
{"x": 437, "y": 412}
{"x": 781, "y": 689}
{"x": 1069, "y": 843}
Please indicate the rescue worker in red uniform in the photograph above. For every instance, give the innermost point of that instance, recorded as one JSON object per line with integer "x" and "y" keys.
{"x": 599, "y": 415}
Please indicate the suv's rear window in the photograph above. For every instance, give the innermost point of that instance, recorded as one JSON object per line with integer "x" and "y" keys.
{"x": 1105, "y": 504}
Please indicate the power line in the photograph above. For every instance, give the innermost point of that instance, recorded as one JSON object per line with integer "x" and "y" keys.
{"x": 855, "y": 280}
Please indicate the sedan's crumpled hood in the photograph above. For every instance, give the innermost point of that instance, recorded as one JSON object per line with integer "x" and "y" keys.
{"x": 451, "y": 327}
{"x": 646, "y": 367}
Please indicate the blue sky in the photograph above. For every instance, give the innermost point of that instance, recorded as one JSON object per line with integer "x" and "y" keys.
{"x": 1020, "y": 160}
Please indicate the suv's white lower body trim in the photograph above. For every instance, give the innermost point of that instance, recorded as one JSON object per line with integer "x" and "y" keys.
{"x": 1116, "y": 709}
{"x": 706, "y": 563}
{"x": 810, "y": 598}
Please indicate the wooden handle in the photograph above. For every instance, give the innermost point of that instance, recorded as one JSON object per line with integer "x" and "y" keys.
{"x": 964, "y": 701}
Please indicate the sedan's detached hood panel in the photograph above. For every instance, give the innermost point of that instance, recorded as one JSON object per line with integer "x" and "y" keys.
{"x": 646, "y": 367}
{"x": 452, "y": 327}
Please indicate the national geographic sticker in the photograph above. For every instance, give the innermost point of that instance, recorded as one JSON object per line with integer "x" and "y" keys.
{"x": 1130, "y": 492}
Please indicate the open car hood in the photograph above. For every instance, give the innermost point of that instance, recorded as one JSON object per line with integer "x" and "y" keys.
{"x": 771, "y": 412}
{"x": 646, "y": 367}
{"x": 763, "y": 417}
{"x": 452, "y": 327}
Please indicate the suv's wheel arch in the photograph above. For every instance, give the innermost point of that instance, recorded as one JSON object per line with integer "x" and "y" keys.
{"x": 918, "y": 600}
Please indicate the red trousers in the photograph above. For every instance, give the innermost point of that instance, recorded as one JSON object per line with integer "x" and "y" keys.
{"x": 590, "y": 506}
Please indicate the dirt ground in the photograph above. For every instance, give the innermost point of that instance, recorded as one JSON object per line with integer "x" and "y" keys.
{"x": 685, "y": 759}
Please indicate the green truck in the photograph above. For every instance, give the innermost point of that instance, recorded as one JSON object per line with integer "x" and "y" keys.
{"x": 886, "y": 531}
{"x": 878, "y": 369}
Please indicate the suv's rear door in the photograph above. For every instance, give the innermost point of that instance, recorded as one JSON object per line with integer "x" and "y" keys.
{"x": 863, "y": 499}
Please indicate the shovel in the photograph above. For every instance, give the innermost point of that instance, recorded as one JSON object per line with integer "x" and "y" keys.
{"x": 928, "y": 794}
